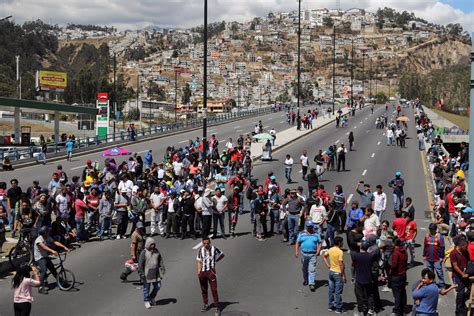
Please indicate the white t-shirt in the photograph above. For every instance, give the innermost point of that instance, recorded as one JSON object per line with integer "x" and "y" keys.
{"x": 229, "y": 145}
{"x": 372, "y": 223}
{"x": 220, "y": 203}
{"x": 380, "y": 201}
{"x": 62, "y": 203}
{"x": 127, "y": 185}
{"x": 177, "y": 166}
{"x": 304, "y": 160}
{"x": 289, "y": 163}
{"x": 156, "y": 200}
{"x": 389, "y": 133}
{"x": 317, "y": 213}
{"x": 160, "y": 173}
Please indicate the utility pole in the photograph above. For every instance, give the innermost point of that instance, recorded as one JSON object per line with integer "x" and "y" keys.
{"x": 471, "y": 128}
{"x": 333, "y": 68}
{"x": 17, "y": 113}
{"x": 18, "y": 79}
{"x": 352, "y": 74}
{"x": 363, "y": 72}
{"x": 370, "y": 79}
{"x": 176, "y": 73}
{"x": 114, "y": 100}
{"x": 138, "y": 94}
{"x": 298, "y": 118}
{"x": 238, "y": 93}
{"x": 204, "y": 99}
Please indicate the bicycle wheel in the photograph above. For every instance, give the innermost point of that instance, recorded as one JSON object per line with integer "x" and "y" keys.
{"x": 20, "y": 254}
{"x": 65, "y": 279}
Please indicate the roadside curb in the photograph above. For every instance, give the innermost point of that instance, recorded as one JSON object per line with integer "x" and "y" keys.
{"x": 259, "y": 157}
{"x": 99, "y": 148}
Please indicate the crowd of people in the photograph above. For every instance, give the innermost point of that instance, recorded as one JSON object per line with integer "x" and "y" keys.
{"x": 199, "y": 190}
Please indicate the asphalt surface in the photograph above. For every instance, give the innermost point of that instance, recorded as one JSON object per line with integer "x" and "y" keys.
{"x": 43, "y": 173}
{"x": 255, "y": 278}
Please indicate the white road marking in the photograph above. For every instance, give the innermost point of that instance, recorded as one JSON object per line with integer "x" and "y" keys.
{"x": 266, "y": 126}
{"x": 360, "y": 122}
{"x": 143, "y": 151}
{"x": 222, "y": 140}
{"x": 183, "y": 141}
{"x": 367, "y": 131}
{"x": 378, "y": 143}
{"x": 270, "y": 118}
{"x": 373, "y": 155}
{"x": 235, "y": 127}
{"x": 355, "y": 127}
{"x": 211, "y": 130}
{"x": 282, "y": 121}
{"x": 423, "y": 228}
{"x": 337, "y": 141}
{"x": 239, "y": 130}
{"x": 301, "y": 171}
{"x": 383, "y": 133}
{"x": 283, "y": 115}
{"x": 350, "y": 198}
{"x": 347, "y": 133}
{"x": 198, "y": 245}
{"x": 75, "y": 168}
{"x": 365, "y": 171}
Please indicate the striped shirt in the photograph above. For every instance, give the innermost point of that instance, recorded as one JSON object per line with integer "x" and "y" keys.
{"x": 208, "y": 258}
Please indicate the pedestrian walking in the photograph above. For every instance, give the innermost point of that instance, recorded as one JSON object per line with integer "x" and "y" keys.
{"x": 207, "y": 257}
{"x": 334, "y": 261}
{"x": 351, "y": 141}
{"x": 293, "y": 207}
{"x": 69, "y": 147}
{"x": 397, "y": 185}
{"x": 364, "y": 282}
{"x": 122, "y": 204}
{"x": 304, "y": 164}
{"x": 22, "y": 284}
{"x": 288, "y": 168}
{"x": 220, "y": 206}
{"x": 309, "y": 243}
{"x": 152, "y": 269}
{"x": 158, "y": 202}
{"x": 341, "y": 158}
{"x": 389, "y": 135}
{"x": 459, "y": 259}
{"x": 380, "y": 201}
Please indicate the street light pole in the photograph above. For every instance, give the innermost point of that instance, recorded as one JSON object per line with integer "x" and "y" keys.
{"x": 370, "y": 79}
{"x": 204, "y": 99}
{"x": 333, "y": 68}
{"x": 238, "y": 93}
{"x": 298, "y": 118}
{"x": 352, "y": 74}
{"x": 363, "y": 72}
{"x": 175, "y": 94}
{"x": 470, "y": 192}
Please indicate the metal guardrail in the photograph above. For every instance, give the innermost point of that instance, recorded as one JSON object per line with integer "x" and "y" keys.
{"x": 121, "y": 136}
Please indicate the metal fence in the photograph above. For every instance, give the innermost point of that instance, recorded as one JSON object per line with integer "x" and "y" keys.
{"x": 16, "y": 154}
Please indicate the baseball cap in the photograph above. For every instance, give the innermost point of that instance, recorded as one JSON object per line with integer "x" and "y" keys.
{"x": 139, "y": 224}
{"x": 309, "y": 224}
{"x": 459, "y": 205}
{"x": 88, "y": 161}
{"x": 398, "y": 173}
{"x": 273, "y": 177}
{"x": 432, "y": 226}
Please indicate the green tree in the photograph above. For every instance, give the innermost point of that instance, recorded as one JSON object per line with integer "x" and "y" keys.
{"x": 328, "y": 22}
{"x": 186, "y": 97}
{"x": 156, "y": 92}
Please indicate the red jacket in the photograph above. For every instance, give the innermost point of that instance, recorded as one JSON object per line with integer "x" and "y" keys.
{"x": 399, "y": 261}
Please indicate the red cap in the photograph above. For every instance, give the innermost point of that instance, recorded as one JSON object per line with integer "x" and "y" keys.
{"x": 88, "y": 161}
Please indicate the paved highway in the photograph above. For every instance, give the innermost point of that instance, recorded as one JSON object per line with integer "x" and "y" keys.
{"x": 223, "y": 132}
{"x": 255, "y": 278}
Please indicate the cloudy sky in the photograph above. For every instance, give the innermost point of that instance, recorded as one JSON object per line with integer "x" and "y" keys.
{"x": 126, "y": 14}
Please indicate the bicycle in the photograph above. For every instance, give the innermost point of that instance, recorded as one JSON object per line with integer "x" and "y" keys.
{"x": 65, "y": 279}
{"x": 22, "y": 252}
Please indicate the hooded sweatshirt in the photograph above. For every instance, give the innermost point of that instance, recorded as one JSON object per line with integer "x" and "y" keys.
{"x": 399, "y": 261}
{"x": 150, "y": 264}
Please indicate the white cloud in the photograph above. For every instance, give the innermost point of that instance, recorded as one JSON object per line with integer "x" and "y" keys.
{"x": 184, "y": 13}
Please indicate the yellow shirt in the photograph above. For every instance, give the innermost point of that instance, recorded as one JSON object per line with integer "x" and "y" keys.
{"x": 335, "y": 257}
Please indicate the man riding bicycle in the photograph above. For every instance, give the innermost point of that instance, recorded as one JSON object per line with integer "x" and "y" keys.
{"x": 41, "y": 251}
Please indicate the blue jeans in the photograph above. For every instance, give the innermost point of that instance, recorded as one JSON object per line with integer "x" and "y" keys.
{"x": 293, "y": 227}
{"x": 335, "y": 290}
{"x": 275, "y": 219}
{"x": 309, "y": 262}
{"x": 80, "y": 229}
{"x": 438, "y": 269}
{"x": 330, "y": 230}
{"x": 252, "y": 211}
{"x": 218, "y": 218}
{"x": 397, "y": 201}
{"x": 105, "y": 225}
{"x": 288, "y": 174}
{"x": 147, "y": 295}
{"x": 11, "y": 218}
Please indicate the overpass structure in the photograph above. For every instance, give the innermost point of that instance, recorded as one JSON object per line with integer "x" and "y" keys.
{"x": 29, "y": 106}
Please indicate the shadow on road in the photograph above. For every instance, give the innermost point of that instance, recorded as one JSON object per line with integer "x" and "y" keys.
{"x": 166, "y": 301}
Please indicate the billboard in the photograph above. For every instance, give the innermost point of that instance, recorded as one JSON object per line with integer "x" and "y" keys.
{"x": 102, "y": 118}
{"x": 51, "y": 80}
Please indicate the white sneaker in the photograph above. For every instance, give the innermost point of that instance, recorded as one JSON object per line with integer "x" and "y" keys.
{"x": 386, "y": 289}
{"x": 147, "y": 305}
{"x": 118, "y": 236}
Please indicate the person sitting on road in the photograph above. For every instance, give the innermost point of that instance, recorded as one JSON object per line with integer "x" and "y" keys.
{"x": 7, "y": 165}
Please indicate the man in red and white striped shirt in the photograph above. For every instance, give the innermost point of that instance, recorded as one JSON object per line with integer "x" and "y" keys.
{"x": 207, "y": 257}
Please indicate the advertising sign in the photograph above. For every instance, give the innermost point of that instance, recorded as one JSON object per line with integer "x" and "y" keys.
{"x": 51, "y": 80}
{"x": 102, "y": 118}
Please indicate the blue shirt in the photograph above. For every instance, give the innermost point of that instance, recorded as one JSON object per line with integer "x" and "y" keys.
{"x": 428, "y": 296}
{"x": 354, "y": 216}
{"x": 220, "y": 185}
{"x": 69, "y": 145}
{"x": 308, "y": 243}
